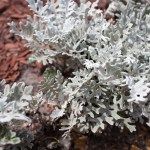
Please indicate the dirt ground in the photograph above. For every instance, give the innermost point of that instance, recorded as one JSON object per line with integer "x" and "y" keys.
{"x": 14, "y": 67}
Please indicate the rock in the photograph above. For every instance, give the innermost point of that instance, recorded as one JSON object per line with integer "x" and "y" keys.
{"x": 134, "y": 147}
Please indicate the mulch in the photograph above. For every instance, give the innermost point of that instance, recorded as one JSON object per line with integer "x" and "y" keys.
{"x": 13, "y": 54}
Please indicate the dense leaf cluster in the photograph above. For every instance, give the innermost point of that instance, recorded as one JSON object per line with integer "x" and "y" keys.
{"x": 110, "y": 78}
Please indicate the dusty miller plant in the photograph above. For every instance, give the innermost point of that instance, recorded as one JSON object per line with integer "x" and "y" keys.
{"x": 110, "y": 81}
{"x": 15, "y": 101}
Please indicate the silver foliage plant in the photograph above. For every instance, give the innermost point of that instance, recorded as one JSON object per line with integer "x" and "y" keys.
{"x": 112, "y": 83}
{"x": 15, "y": 100}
